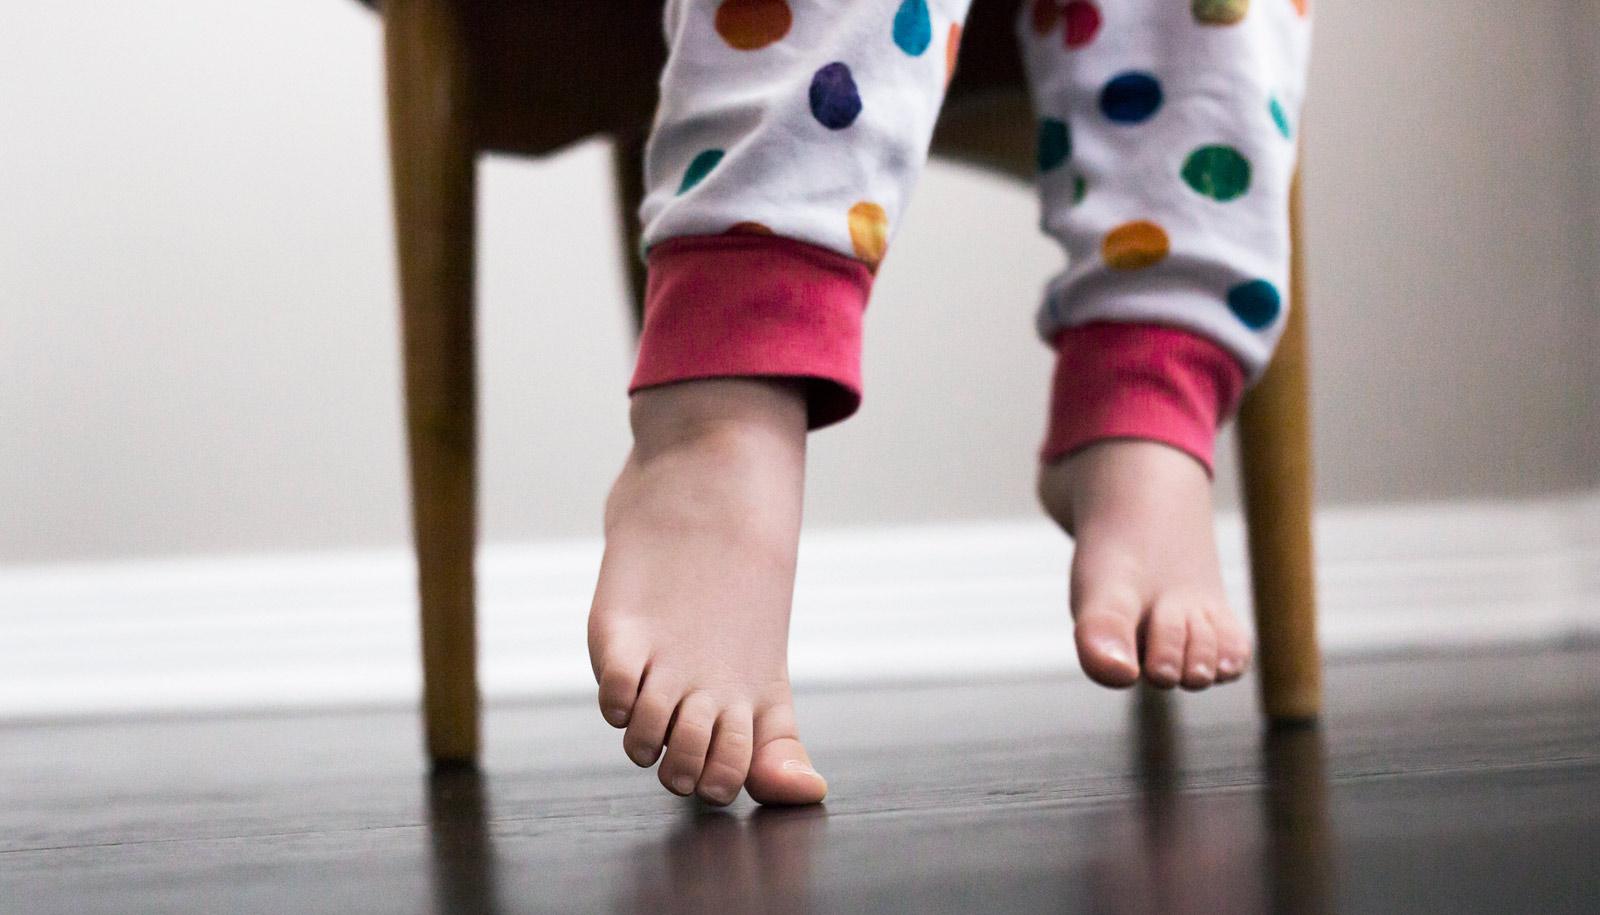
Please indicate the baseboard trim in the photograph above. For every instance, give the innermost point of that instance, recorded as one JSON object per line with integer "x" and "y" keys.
{"x": 917, "y": 603}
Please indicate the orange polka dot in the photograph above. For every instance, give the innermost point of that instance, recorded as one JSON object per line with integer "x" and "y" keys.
{"x": 749, "y": 25}
{"x": 1303, "y": 7}
{"x": 1135, "y": 245}
{"x": 952, "y": 51}
{"x": 869, "y": 232}
{"x": 748, "y": 228}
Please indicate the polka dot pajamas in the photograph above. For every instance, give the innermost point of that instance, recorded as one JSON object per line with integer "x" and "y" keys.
{"x": 790, "y": 134}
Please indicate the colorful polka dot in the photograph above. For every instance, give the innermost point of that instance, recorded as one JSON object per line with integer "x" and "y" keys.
{"x": 1219, "y": 172}
{"x": 1256, "y": 303}
{"x": 1280, "y": 118}
{"x": 1083, "y": 23}
{"x": 869, "y": 231}
{"x": 748, "y": 228}
{"x": 1045, "y": 14}
{"x": 1080, "y": 188}
{"x": 1054, "y": 144}
{"x": 1135, "y": 245}
{"x": 1221, "y": 12}
{"x": 952, "y": 52}
{"x": 1131, "y": 97}
{"x": 699, "y": 169}
{"x": 913, "y": 27}
{"x": 1303, "y": 7}
{"x": 835, "y": 103}
{"x": 749, "y": 25}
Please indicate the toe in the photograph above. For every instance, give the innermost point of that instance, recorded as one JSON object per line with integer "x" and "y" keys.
{"x": 1233, "y": 646}
{"x": 1200, "y": 655}
{"x": 1105, "y": 633}
{"x": 687, "y": 743}
{"x": 647, "y": 725}
{"x": 780, "y": 769}
{"x": 728, "y": 762}
{"x": 619, "y": 673}
{"x": 1165, "y": 632}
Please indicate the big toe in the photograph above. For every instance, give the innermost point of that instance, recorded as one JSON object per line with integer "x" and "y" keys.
{"x": 1106, "y": 636}
{"x": 781, "y": 773}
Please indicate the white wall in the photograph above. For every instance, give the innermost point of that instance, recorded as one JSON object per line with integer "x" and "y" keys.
{"x": 197, "y": 340}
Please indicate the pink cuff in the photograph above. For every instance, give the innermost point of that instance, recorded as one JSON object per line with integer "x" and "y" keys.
{"x": 756, "y": 305}
{"x": 1145, "y": 381}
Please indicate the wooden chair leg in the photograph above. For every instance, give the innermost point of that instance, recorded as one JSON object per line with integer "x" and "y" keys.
{"x": 627, "y": 161}
{"x": 1275, "y": 456}
{"x": 434, "y": 163}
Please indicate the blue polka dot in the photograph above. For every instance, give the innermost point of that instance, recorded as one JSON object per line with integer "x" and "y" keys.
{"x": 700, "y": 168}
{"x": 1055, "y": 144}
{"x": 835, "y": 102}
{"x": 1256, "y": 303}
{"x": 1131, "y": 98}
{"x": 913, "y": 27}
{"x": 1281, "y": 118}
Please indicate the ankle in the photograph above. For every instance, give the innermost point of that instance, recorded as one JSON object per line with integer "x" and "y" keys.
{"x": 718, "y": 413}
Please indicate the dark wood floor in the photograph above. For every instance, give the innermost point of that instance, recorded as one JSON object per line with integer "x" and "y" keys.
{"x": 1448, "y": 784}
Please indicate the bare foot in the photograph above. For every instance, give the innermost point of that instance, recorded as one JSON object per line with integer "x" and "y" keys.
{"x": 689, "y": 630}
{"x": 1146, "y": 585}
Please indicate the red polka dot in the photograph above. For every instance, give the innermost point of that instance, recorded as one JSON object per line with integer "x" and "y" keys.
{"x": 748, "y": 228}
{"x": 1045, "y": 14}
{"x": 1083, "y": 23}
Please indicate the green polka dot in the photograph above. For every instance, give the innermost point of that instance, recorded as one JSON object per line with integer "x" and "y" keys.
{"x": 1055, "y": 144}
{"x": 1221, "y": 12}
{"x": 1080, "y": 187}
{"x": 1281, "y": 118}
{"x": 1256, "y": 303}
{"x": 1219, "y": 172}
{"x": 700, "y": 168}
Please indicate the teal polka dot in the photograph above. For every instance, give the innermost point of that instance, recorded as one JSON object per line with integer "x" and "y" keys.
{"x": 1281, "y": 118}
{"x": 1256, "y": 303}
{"x": 700, "y": 168}
{"x": 913, "y": 27}
{"x": 1055, "y": 144}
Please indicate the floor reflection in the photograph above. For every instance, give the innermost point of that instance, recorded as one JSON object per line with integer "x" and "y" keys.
{"x": 1300, "y": 847}
{"x": 463, "y": 864}
{"x": 713, "y": 861}
{"x": 1193, "y": 847}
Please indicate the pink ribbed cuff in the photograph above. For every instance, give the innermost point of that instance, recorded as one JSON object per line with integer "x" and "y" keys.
{"x": 718, "y": 306}
{"x": 1144, "y": 381}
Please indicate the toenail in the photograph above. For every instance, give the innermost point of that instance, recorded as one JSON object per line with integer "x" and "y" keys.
{"x": 683, "y": 784}
{"x": 1166, "y": 671}
{"x": 642, "y": 756}
{"x": 798, "y": 765}
{"x": 1225, "y": 667}
{"x": 1202, "y": 670}
{"x": 718, "y": 795}
{"x": 616, "y": 716}
{"x": 1114, "y": 650}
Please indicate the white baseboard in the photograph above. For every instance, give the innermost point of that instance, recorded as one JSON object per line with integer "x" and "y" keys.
{"x": 922, "y": 602}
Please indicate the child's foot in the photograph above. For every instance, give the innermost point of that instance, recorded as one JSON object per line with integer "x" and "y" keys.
{"x": 690, "y": 625}
{"x": 1146, "y": 586}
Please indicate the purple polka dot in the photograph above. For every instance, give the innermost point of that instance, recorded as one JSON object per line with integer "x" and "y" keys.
{"x": 835, "y": 103}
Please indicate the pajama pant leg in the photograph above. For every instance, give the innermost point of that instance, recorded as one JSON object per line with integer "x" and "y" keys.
{"x": 1166, "y": 151}
{"x": 788, "y": 137}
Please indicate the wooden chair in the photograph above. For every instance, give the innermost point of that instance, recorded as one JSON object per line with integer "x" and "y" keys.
{"x": 467, "y": 77}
